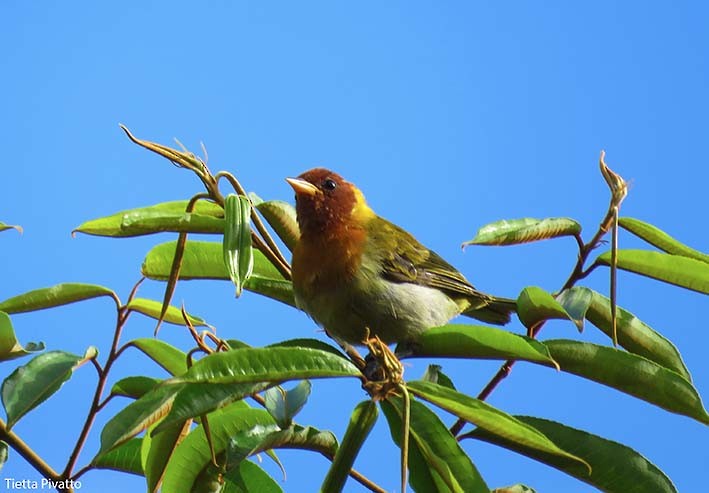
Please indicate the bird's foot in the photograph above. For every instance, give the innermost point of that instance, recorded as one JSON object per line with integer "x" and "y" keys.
{"x": 383, "y": 370}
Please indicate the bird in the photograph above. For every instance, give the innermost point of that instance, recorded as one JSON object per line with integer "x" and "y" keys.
{"x": 359, "y": 275}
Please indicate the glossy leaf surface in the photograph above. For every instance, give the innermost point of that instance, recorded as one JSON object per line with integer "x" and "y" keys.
{"x": 487, "y": 417}
{"x": 134, "y": 387}
{"x": 173, "y": 315}
{"x": 272, "y": 364}
{"x": 479, "y": 342}
{"x": 169, "y": 357}
{"x": 283, "y": 404}
{"x": 137, "y": 416}
{"x": 535, "y": 305}
{"x": 204, "y": 260}
{"x": 615, "y": 468}
{"x": 681, "y": 271}
{"x": 445, "y": 461}
{"x": 635, "y": 336}
{"x": 31, "y": 384}
{"x": 281, "y": 217}
{"x": 60, "y": 294}
{"x": 158, "y": 218}
{"x": 631, "y": 374}
{"x": 10, "y": 347}
{"x": 362, "y": 420}
{"x": 125, "y": 458}
{"x": 515, "y": 231}
{"x": 193, "y": 454}
{"x": 660, "y": 239}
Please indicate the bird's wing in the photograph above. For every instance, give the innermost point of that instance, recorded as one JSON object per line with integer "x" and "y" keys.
{"x": 407, "y": 260}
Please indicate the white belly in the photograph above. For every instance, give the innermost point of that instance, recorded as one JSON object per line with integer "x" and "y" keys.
{"x": 396, "y": 312}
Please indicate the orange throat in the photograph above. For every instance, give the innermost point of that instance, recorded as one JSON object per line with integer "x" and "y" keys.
{"x": 327, "y": 261}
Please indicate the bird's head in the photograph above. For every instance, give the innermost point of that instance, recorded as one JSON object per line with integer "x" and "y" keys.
{"x": 327, "y": 204}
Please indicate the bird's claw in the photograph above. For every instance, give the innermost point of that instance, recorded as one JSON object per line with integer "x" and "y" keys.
{"x": 383, "y": 371}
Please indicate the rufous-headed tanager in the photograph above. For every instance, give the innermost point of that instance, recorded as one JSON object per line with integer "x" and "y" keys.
{"x": 358, "y": 275}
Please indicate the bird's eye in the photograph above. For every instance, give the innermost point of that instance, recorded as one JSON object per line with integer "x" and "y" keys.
{"x": 329, "y": 184}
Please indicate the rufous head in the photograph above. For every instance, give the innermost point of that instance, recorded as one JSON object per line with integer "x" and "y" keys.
{"x": 326, "y": 202}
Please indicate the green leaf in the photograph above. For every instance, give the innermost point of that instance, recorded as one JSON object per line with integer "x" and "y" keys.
{"x": 10, "y": 348}
{"x": 631, "y": 374}
{"x": 250, "y": 478}
{"x": 681, "y": 271}
{"x": 204, "y": 260}
{"x": 430, "y": 440}
{"x": 362, "y": 420}
{"x": 479, "y": 342}
{"x": 31, "y": 384}
{"x": 137, "y": 416}
{"x": 535, "y": 305}
{"x": 236, "y": 344}
{"x": 576, "y": 301}
{"x": 422, "y": 476}
{"x": 258, "y": 439}
{"x": 168, "y": 216}
{"x": 281, "y": 217}
{"x": 273, "y": 364}
{"x": 173, "y": 315}
{"x": 488, "y": 418}
{"x": 660, "y": 239}
{"x": 635, "y": 336}
{"x": 192, "y": 455}
{"x": 236, "y": 247}
{"x": 157, "y": 450}
{"x": 309, "y": 343}
{"x": 434, "y": 374}
{"x": 61, "y": 294}
{"x": 285, "y": 405}
{"x": 169, "y": 357}
{"x": 264, "y": 438}
{"x": 125, "y": 458}
{"x": 615, "y": 467}
{"x": 4, "y": 226}
{"x": 515, "y": 231}
{"x": 134, "y": 387}
{"x": 4, "y": 453}
{"x": 197, "y": 399}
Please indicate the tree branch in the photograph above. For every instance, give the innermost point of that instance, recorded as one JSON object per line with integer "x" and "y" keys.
{"x": 19, "y": 446}
{"x": 618, "y": 190}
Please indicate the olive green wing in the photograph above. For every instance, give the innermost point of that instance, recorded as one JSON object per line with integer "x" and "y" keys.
{"x": 407, "y": 260}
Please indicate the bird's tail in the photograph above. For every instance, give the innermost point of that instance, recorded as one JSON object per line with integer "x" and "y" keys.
{"x": 496, "y": 312}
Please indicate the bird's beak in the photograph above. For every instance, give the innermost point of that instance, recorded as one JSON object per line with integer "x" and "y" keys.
{"x": 302, "y": 186}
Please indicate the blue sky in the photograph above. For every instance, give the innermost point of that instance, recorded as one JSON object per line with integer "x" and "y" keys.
{"x": 447, "y": 116}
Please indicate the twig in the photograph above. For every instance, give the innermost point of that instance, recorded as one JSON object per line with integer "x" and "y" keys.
{"x": 189, "y": 161}
{"x": 96, "y": 404}
{"x": 265, "y": 245}
{"x": 405, "y": 431}
{"x": 176, "y": 263}
{"x": 618, "y": 192}
{"x": 93, "y": 410}
{"x": 19, "y": 446}
{"x": 360, "y": 478}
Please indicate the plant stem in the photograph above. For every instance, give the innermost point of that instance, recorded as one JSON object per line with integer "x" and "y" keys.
{"x": 19, "y": 446}
{"x": 576, "y": 275}
{"x": 360, "y": 478}
{"x": 96, "y": 404}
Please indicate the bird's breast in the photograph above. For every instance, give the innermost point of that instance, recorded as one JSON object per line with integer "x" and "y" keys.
{"x": 326, "y": 263}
